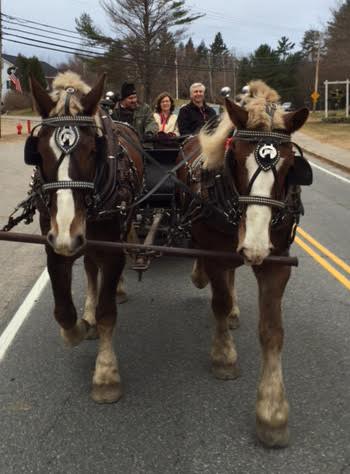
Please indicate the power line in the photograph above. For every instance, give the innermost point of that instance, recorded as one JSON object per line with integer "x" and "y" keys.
{"x": 18, "y": 20}
{"x": 71, "y": 48}
{"x": 46, "y": 36}
{"x": 36, "y": 23}
{"x": 94, "y": 55}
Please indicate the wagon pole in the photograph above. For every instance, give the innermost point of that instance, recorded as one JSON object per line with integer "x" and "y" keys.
{"x": 156, "y": 249}
{"x": 1, "y": 64}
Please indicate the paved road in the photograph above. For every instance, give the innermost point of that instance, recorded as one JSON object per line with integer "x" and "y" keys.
{"x": 175, "y": 417}
{"x": 20, "y": 264}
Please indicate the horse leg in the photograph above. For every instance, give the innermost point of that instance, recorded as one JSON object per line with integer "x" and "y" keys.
{"x": 122, "y": 296}
{"x": 91, "y": 271}
{"x": 60, "y": 271}
{"x": 198, "y": 275}
{"x": 223, "y": 353}
{"x": 235, "y": 312}
{"x": 271, "y": 406}
{"x": 106, "y": 386}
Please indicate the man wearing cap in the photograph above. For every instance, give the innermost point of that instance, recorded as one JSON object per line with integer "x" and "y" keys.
{"x": 196, "y": 113}
{"x": 137, "y": 115}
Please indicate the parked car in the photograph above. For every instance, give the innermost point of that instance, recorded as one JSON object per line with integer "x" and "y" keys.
{"x": 288, "y": 106}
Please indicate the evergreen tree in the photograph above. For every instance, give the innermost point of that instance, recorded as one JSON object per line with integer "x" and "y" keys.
{"x": 218, "y": 51}
{"x": 337, "y": 61}
{"x": 26, "y": 66}
{"x": 311, "y": 41}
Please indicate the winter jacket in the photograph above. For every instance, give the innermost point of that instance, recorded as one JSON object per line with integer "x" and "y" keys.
{"x": 192, "y": 118}
{"x": 170, "y": 126}
{"x": 141, "y": 119}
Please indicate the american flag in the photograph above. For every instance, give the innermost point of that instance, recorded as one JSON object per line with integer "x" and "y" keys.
{"x": 16, "y": 82}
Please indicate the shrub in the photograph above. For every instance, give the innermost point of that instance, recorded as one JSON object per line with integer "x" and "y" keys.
{"x": 336, "y": 119}
{"x": 16, "y": 101}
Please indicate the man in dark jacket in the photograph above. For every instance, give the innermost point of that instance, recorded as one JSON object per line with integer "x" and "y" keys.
{"x": 139, "y": 116}
{"x": 196, "y": 113}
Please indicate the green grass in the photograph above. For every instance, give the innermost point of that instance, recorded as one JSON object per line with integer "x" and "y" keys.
{"x": 25, "y": 112}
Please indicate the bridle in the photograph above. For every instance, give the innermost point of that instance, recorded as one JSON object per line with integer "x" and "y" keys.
{"x": 218, "y": 189}
{"x": 267, "y": 156}
{"x": 67, "y": 137}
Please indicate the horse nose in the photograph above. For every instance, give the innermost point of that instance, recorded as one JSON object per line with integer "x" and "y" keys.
{"x": 51, "y": 239}
{"x": 251, "y": 256}
{"x": 78, "y": 242}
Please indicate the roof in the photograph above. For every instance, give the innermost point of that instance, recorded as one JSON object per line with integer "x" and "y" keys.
{"x": 48, "y": 70}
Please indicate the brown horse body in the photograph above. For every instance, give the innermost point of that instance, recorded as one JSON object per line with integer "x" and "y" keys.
{"x": 66, "y": 222}
{"x": 254, "y": 237}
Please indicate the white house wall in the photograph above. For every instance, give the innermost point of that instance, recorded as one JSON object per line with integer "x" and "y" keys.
{"x": 4, "y": 77}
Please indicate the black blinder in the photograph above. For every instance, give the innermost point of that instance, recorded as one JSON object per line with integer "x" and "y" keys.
{"x": 101, "y": 147}
{"x": 31, "y": 154}
{"x": 301, "y": 172}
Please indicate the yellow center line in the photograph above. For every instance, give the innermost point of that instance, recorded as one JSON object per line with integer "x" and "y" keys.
{"x": 324, "y": 250}
{"x": 337, "y": 275}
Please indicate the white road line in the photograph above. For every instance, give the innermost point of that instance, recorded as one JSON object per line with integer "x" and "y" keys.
{"x": 18, "y": 319}
{"x": 335, "y": 175}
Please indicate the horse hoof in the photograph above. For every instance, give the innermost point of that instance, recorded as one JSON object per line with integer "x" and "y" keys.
{"x": 233, "y": 321}
{"x": 122, "y": 298}
{"x": 92, "y": 333}
{"x": 198, "y": 282}
{"x": 106, "y": 393}
{"x": 272, "y": 437}
{"x": 226, "y": 372}
{"x": 74, "y": 336}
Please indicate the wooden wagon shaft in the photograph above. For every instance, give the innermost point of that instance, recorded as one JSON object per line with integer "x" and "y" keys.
{"x": 117, "y": 246}
{"x": 143, "y": 262}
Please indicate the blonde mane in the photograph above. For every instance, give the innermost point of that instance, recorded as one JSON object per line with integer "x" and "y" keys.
{"x": 264, "y": 113}
{"x": 61, "y": 82}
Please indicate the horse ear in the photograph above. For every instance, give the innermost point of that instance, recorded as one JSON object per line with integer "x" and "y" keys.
{"x": 91, "y": 100}
{"x": 238, "y": 116}
{"x": 295, "y": 120}
{"x": 42, "y": 101}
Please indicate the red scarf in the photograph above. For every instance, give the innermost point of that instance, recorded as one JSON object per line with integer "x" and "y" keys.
{"x": 163, "y": 121}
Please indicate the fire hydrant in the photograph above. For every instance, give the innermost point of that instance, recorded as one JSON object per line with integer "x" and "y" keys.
{"x": 19, "y": 127}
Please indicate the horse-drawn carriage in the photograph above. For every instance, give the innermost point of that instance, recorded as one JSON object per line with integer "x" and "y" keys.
{"x": 95, "y": 181}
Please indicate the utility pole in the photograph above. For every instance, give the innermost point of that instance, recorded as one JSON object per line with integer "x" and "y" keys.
{"x": 210, "y": 77}
{"x": 0, "y": 67}
{"x": 234, "y": 79}
{"x": 317, "y": 73}
{"x": 224, "y": 68}
{"x": 176, "y": 77}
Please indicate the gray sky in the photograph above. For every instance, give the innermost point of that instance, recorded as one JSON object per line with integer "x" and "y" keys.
{"x": 244, "y": 24}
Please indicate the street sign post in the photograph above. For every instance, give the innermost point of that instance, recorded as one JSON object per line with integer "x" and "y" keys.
{"x": 315, "y": 96}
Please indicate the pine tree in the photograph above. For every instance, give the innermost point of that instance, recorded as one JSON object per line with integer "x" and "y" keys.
{"x": 140, "y": 25}
{"x": 218, "y": 51}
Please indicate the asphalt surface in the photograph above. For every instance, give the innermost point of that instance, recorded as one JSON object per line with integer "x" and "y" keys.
{"x": 175, "y": 417}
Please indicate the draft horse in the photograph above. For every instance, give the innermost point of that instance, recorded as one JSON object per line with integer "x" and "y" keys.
{"x": 87, "y": 173}
{"x": 249, "y": 185}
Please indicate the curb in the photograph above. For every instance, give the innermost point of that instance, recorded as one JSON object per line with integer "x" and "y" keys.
{"x": 327, "y": 160}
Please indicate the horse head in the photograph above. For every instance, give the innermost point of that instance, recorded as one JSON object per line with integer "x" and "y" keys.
{"x": 259, "y": 157}
{"x": 66, "y": 150}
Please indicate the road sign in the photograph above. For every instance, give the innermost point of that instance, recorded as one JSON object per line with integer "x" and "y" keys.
{"x": 315, "y": 96}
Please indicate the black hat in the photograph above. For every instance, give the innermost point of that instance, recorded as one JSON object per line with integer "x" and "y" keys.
{"x": 127, "y": 89}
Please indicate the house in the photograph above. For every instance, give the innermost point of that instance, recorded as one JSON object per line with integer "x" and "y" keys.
{"x": 10, "y": 61}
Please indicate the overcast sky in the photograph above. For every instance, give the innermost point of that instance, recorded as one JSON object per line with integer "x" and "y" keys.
{"x": 244, "y": 24}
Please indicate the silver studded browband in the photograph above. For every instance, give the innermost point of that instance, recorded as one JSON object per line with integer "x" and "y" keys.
{"x": 256, "y": 135}
{"x": 62, "y": 120}
{"x": 261, "y": 201}
{"x": 68, "y": 185}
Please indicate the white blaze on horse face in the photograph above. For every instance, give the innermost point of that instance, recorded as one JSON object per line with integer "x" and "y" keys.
{"x": 65, "y": 202}
{"x": 256, "y": 244}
